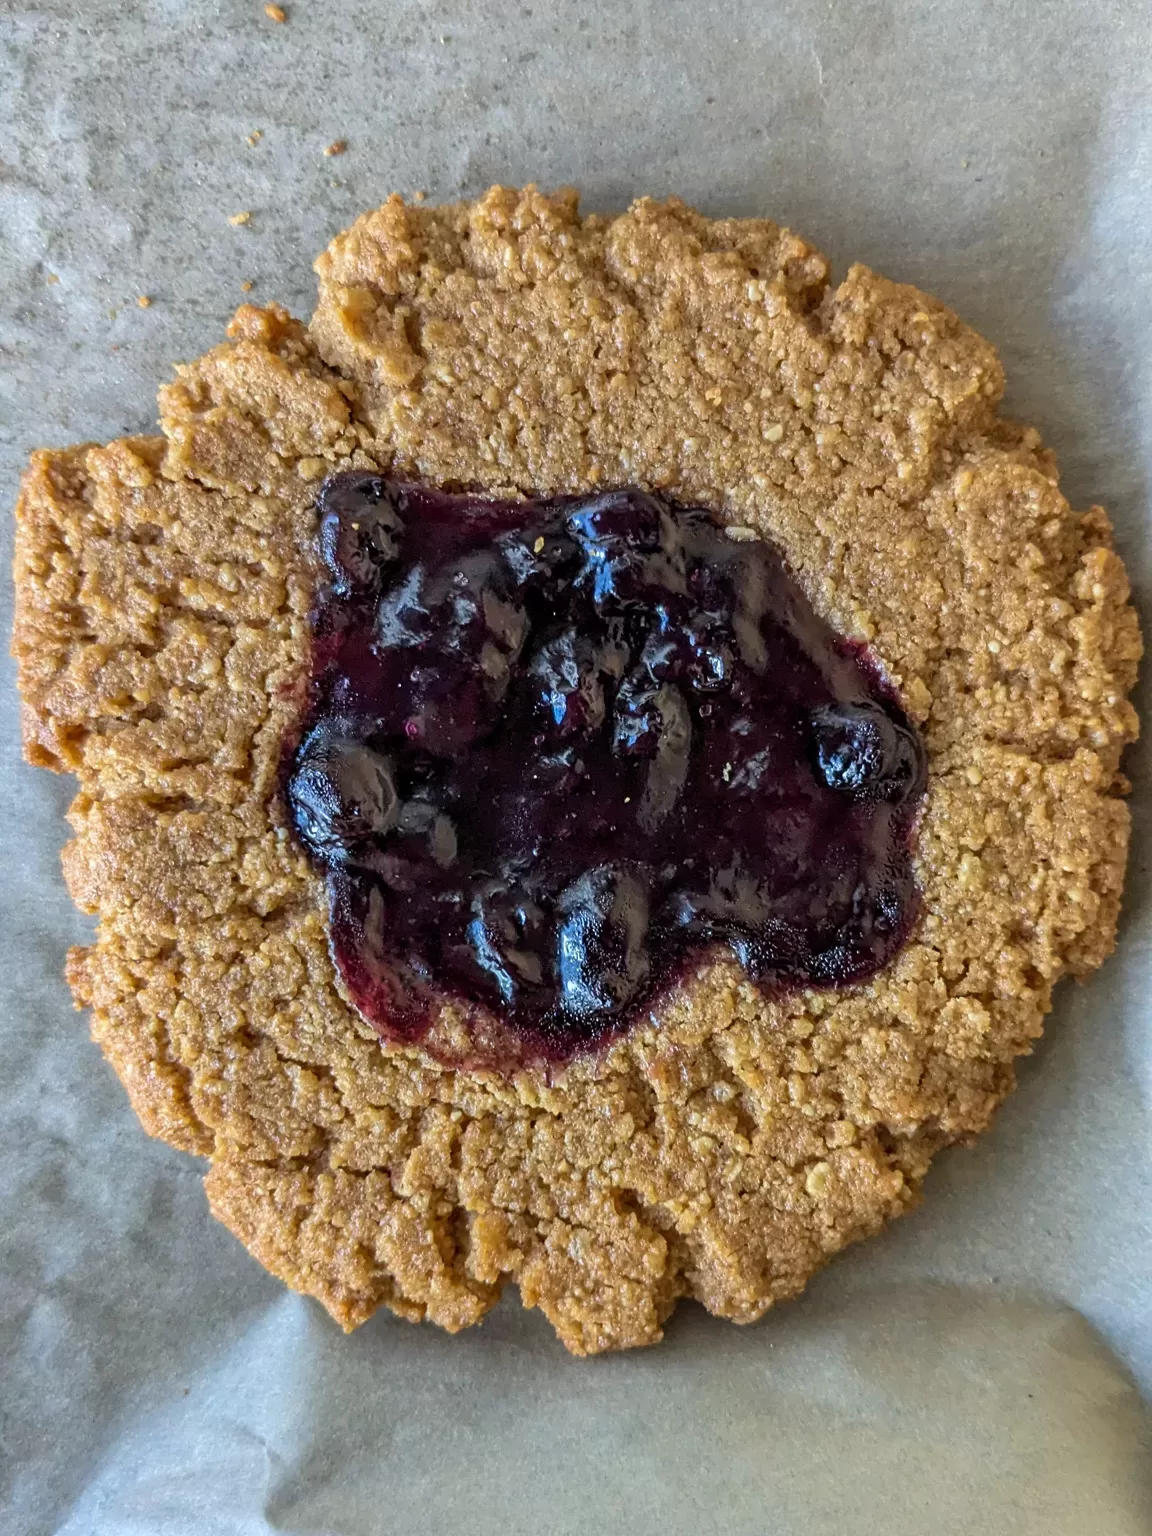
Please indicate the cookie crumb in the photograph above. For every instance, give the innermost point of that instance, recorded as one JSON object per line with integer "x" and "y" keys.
{"x": 53, "y": 277}
{"x": 247, "y": 286}
{"x": 275, "y": 13}
{"x": 418, "y": 197}
{"x": 240, "y": 218}
{"x": 144, "y": 301}
{"x": 337, "y": 147}
{"x": 254, "y": 138}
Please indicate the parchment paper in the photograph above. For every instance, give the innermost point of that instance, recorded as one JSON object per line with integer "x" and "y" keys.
{"x": 974, "y": 1371}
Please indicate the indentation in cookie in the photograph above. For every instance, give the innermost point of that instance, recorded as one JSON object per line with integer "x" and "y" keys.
{"x": 558, "y": 747}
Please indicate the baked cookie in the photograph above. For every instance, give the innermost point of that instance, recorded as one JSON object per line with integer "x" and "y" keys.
{"x": 727, "y": 1142}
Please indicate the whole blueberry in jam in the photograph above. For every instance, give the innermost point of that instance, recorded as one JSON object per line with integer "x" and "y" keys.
{"x": 556, "y": 748}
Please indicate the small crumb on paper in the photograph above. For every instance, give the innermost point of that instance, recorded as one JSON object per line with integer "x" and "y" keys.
{"x": 254, "y": 138}
{"x": 144, "y": 301}
{"x": 247, "y": 286}
{"x": 53, "y": 277}
{"x": 240, "y": 218}
{"x": 337, "y": 147}
{"x": 418, "y": 197}
{"x": 275, "y": 13}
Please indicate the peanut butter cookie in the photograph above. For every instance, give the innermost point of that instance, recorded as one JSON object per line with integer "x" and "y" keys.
{"x": 726, "y": 1140}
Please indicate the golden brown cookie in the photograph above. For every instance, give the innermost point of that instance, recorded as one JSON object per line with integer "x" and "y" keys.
{"x": 728, "y": 1148}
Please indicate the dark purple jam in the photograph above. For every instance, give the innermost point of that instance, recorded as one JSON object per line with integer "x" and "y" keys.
{"x": 558, "y": 748}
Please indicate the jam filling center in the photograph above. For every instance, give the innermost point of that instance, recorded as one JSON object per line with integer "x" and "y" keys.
{"x": 558, "y": 748}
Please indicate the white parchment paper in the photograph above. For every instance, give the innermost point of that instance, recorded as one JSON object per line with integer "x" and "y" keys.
{"x": 977, "y": 1370}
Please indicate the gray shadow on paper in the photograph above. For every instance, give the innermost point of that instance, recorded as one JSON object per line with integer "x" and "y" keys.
{"x": 940, "y": 1407}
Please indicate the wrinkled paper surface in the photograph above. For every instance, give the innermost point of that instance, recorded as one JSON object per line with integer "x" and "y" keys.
{"x": 977, "y": 1370}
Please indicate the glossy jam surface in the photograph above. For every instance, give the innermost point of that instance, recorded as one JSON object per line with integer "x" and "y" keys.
{"x": 557, "y": 748}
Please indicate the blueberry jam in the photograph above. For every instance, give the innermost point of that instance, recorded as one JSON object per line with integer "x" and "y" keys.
{"x": 557, "y": 748}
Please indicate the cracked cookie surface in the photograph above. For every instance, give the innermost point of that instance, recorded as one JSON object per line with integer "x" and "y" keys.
{"x": 728, "y": 1147}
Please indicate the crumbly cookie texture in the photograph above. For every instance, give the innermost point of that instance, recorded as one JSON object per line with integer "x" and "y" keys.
{"x": 731, "y": 1146}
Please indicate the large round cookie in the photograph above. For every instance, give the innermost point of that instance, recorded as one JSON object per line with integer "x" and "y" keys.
{"x": 726, "y": 1149}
